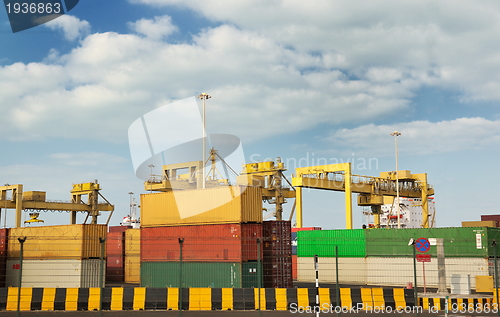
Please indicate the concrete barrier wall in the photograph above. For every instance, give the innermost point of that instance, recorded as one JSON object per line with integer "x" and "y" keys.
{"x": 293, "y": 300}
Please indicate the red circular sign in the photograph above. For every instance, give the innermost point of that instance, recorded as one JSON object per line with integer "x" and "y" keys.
{"x": 422, "y": 245}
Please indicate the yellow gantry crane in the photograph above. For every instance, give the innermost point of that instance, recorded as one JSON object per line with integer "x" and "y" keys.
{"x": 34, "y": 202}
{"x": 371, "y": 190}
{"x": 269, "y": 176}
{"x": 335, "y": 177}
{"x": 171, "y": 178}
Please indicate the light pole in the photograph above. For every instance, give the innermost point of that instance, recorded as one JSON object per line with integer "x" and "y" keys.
{"x": 204, "y": 96}
{"x": 395, "y": 134}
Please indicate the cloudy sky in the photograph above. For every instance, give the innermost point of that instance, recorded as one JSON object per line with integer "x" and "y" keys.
{"x": 306, "y": 81}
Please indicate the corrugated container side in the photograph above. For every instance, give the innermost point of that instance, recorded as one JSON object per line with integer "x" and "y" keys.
{"x": 277, "y": 238}
{"x": 4, "y": 238}
{"x": 227, "y": 204}
{"x": 277, "y": 247}
{"x": 133, "y": 242}
{"x": 458, "y": 242}
{"x": 115, "y": 274}
{"x": 3, "y": 271}
{"x": 132, "y": 269}
{"x": 294, "y": 267}
{"x": 115, "y": 245}
{"x": 219, "y": 243}
{"x": 57, "y": 242}
{"x": 250, "y": 274}
{"x": 91, "y": 242}
{"x": 278, "y": 272}
{"x": 115, "y": 261}
{"x": 490, "y": 217}
{"x": 54, "y": 273}
{"x": 483, "y": 223}
{"x": 199, "y": 274}
{"x": 251, "y": 204}
{"x": 90, "y": 273}
{"x": 351, "y": 243}
{"x": 492, "y": 234}
{"x": 47, "y": 242}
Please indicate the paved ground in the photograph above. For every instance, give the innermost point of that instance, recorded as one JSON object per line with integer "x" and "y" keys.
{"x": 218, "y": 313}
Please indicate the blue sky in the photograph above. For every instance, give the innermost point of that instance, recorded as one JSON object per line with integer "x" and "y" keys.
{"x": 294, "y": 79}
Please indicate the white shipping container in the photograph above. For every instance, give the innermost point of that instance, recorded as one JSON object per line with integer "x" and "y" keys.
{"x": 389, "y": 271}
{"x": 351, "y": 270}
{"x": 396, "y": 271}
{"x": 55, "y": 273}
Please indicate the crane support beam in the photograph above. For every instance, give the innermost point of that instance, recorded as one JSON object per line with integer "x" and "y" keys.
{"x": 298, "y": 206}
{"x": 17, "y": 202}
{"x": 320, "y": 180}
{"x": 338, "y": 177}
{"x": 58, "y": 206}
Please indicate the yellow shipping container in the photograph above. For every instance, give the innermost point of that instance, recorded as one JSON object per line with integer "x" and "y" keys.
{"x": 487, "y": 223}
{"x": 224, "y": 204}
{"x": 57, "y": 242}
{"x": 132, "y": 242}
{"x": 132, "y": 268}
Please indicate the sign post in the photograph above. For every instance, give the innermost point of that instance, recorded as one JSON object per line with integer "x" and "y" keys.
{"x": 423, "y": 245}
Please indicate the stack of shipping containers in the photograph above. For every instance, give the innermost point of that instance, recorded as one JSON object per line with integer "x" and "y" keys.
{"x": 219, "y": 243}
{"x": 132, "y": 256}
{"x": 115, "y": 253}
{"x": 56, "y": 256}
{"x": 351, "y": 245}
{"x": 467, "y": 251}
{"x": 384, "y": 256}
{"x": 277, "y": 265}
{"x": 294, "y": 248}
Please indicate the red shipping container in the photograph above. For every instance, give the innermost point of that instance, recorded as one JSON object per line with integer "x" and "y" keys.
{"x": 277, "y": 238}
{"x": 278, "y": 272}
{"x": 118, "y": 228}
{"x": 115, "y": 262}
{"x": 277, "y": 264}
{"x": 211, "y": 243}
{"x": 114, "y": 274}
{"x": 294, "y": 267}
{"x": 305, "y": 229}
{"x": 115, "y": 244}
{"x": 4, "y": 239}
{"x": 491, "y": 217}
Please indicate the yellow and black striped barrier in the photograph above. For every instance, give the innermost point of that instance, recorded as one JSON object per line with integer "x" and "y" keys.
{"x": 293, "y": 299}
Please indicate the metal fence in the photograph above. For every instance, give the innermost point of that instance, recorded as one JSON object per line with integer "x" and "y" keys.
{"x": 168, "y": 261}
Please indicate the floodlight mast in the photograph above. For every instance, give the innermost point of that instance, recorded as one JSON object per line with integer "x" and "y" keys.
{"x": 204, "y": 96}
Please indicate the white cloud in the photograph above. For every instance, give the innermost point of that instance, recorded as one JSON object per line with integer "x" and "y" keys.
{"x": 456, "y": 41}
{"x": 158, "y": 28}
{"x": 72, "y": 27}
{"x": 248, "y": 75}
{"x": 420, "y": 137}
{"x": 273, "y": 68}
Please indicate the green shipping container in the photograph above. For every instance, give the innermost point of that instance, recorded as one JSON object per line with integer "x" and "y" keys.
{"x": 200, "y": 274}
{"x": 351, "y": 243}
{"x": 458, "y": 242}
